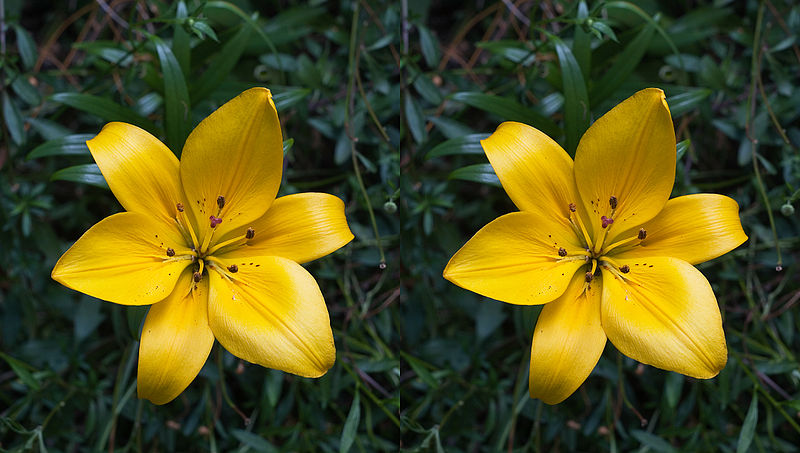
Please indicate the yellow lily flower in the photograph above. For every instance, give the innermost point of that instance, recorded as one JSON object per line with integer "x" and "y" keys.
{"x": 207, "y": 243}
{"x": 598, "y": 242}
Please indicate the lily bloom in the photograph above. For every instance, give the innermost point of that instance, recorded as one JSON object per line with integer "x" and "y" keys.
{"x": 206, "y": 242}
{"x": 598, "y": 241}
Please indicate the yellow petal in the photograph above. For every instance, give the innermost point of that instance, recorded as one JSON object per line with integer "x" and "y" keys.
{"x": 694, "y": 228}
{"x": 567, "y": 342}
{"x": 123, "y": 259}
{"x": 665, "y": 315}
{"x": 628, "y": 153}
{"x": 301, "y": 227}
{"x": 176, "y": 341}
{"x": 534, "y": 170}
{"x": 140, "y": 170}
{"x": 236, "y": 153}
{"x": 271, "y": 312}
{"x": 515, "y": 259}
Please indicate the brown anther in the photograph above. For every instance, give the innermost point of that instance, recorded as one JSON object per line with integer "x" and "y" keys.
{"x": 642, "y": 234}
{"x": 233, "y": 268}
{"x": 613, "y": 202}
{"x": 562, "y": 252}
{"x": 220, "y": 201}
{"x": 588, "y": 277}
{"x": 170, "y": 252}
{"x": 624, "y": 268}
{"x": 180, "y": 207}
{"x": 572, "y": 207}
{"x": 197, "y": 276}
{"x": 250, "y": 234}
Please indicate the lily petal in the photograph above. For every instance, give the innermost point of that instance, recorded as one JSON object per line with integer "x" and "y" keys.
{"x": 534, "y": 170}
{"x": 515, "y": 259}
{"x": 301, "y": 227}
{"x": 123, "y": 259}
{"x": 694, "y": 228}
{"x": 567, "y": 342}
{"x": 176, "y": 341}
{"x": 665, "y": 314}
{"x": 629, "y": 153}
{"x": 271, "y": 312}
{"x": 140, "y": 170}
{"x": 236, "y": 153}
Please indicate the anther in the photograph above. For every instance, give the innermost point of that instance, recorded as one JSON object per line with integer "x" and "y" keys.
{"x": 588, "y": 277}
{"x": 180, "y": 207}
{"x": 220, "y": 201}
{"x": 197, "y": 276}
{"x": 605, "y": 221}
{"x": 214, "y": 221}
{"x": 642, "y": 234}
{"x": 250, "y": 234}
{"x": 572, "y": 207}
{"x": 233, "y": 268}
{"x": 170, "y": 252}
{"x": 624, "y": 268}
{"x": 562, "y": 251}
{"x": 613, "y": 202}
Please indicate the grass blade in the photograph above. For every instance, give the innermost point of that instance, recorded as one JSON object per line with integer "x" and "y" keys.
{"x": 576, "y": 99}
{"x": 177, "y": 104}
{"x": 71, "y": 145}
{"x": 84, "y": 174}
{"x": 482, "y": 173}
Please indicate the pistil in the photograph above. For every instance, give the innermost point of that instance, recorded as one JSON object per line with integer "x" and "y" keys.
{"x": 185, "y": 226}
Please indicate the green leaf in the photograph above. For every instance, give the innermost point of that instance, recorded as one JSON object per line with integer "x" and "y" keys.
{"x": 103, "y": 108}
{"x": 482, "y": 173}
{"x": 287, "y": 145}
{"x": 289, "y": 97}
{"x": 749, "y": 425}
{"x": 681, "y": 148}
{"x": 21, "y": 370}
{"x": 71, "y": 145}
{"x": 27, "y": 92}
{"x": 429, "y": 46}
{"x": 468, "y": 144}
{"x": 180, "y": 39}
{"x": 684, "y": 102}
{"x": 414, "y": 119}
{"x": 14, "y": 121}
{"x": 350, "y": 427}
{"x": 582, "y": 41}
{"x": 628, "y": 6}
{"x": 177, "y": 105}
{"x": 420, "y": 369}
{"x": 508, "y": 109}
{"x": 221, "y": 64}
{"x": 26, "y": 46}
{"x": 84, "y": 174}
{"x": 576, "y": 99}
{"x": 654, "y": 442}
{"x": 623, "y": 66}
{"x": 254, "y": 441}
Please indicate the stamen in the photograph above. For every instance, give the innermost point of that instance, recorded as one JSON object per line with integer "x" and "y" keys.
{"x": 572, "y": 207}
{"x": 185, "y": 226}
{"x": 180, "y": 207}
{"x": 561, "y": 252}
{"x": 214, "y": 220}
{"x": 642, "y": 234}
{"x": 220, "y": 201}
{"x": 233, "y": 268}
{"x": 170, "y": 252}
{"x": 251, "y": 233}
{"x": 588, "y": 277}
{"x": 606, "y": 221}
{"x": 575, "y": 220}
{"x": 197, "y": 276}
{"x": 613, "y": 202}
{"x": 625, "y": 269}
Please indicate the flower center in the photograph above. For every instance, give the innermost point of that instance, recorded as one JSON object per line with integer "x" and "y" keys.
{"x": 596, "y": 248}
{"x": 202, "y": 254}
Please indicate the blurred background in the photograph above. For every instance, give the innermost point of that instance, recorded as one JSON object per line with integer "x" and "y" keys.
{"x": 67, "y": 361}
{"x": 731, "y": 72}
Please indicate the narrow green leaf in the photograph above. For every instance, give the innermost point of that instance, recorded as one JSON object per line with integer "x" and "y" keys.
{"x": 468, "y": 144}
{"x": 681, "y": 148}
{"x": 48, "y": 129}
{"x": 582, "y": 41}
{"x": 21, "y": 370}
{"x": 287, "y": 145}
{"x": 177, "y": 105}
{"x": 180, "y": 39}
{"x": 103, "y": 108}
{"x": 14, "y": 121}
{"x": 254, "y": 441}
{"x": 508, "y": 109}
{"x": 71, "y": 145}
{"x": 656, "y": 443}
{"x": 628, "y": 6}
{"x": 420, "y": 369}
{"x": 482, "y": 173}
{"x": 26, "y": 46}
{"x": 749, "y": 425}
{"x": 350, "y": 428}
{"x": 84, "y": 174}
{"x": 289, "y": 97}
{"x": 429, "y": 46}
{"x": 684, "y": 102}
{"x": 623, "y": 66}
{"x": 414, "y": 119}
{"x": 576, "y": 100}
{"x": 27, "y": 92}
{"x": 221, "y": 65}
